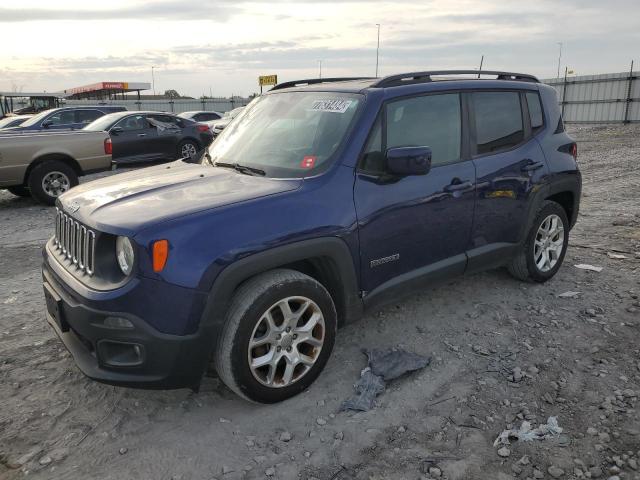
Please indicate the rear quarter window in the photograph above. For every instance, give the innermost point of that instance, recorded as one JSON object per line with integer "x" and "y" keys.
{"x": 535, "y": 111}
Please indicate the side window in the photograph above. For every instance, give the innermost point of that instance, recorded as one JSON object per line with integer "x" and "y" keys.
{"x": 65, "y": 117}
{"x": 134, "y": 122}
{"x": 166, "y": 120}
{"x": 432, "y": 121}
{"x": 535, "y": 111}
{"x": 498, "y": 121}
{"x": 373, "y": 158}
{"x": 88, "y": 116}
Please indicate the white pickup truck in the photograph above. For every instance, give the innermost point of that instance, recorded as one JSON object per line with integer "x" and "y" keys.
{"x": 47, "y": 164}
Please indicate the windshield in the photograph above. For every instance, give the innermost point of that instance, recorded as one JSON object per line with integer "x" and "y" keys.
{"x": 103, "y": 123}
{"x": 37, "y": 118}
{"x": 290, "y": 134}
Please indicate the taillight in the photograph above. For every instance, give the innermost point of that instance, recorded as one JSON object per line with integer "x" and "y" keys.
{"x": 574, "y": 151}
{"x": 108, "y": 147}
{"x": 202, "y": 128}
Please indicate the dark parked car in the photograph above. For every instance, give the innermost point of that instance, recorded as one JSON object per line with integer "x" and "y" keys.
{"x": 152, "y": 136}
{"x": 218, "y": 125}
{"x": 67, "y": 118}
{"x": 323, "y": 199}
{"x": 201, "y": 116}
{"x": 13, "y": 121}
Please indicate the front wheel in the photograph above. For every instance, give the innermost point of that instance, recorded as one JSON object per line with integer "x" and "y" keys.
{"x": 542, "y": 254}
{"x": 279, "y": 333}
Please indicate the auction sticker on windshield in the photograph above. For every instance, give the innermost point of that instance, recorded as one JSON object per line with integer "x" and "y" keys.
{"x": 308, "y": 161}
{"x": 337, "y": 105}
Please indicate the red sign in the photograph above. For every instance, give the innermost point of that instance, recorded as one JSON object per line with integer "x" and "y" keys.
{"x": 308, "y": 161}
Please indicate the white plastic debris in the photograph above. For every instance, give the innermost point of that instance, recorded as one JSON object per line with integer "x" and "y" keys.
{"x": 569, "y": 294}
{"x": 617, "y": 256}
{"x": 586, "y": 266}
{"x": 526, "y": 434}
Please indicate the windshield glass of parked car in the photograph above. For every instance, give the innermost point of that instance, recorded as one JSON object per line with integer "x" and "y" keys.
{"x": 293, "y": 134}
{"x": 103, "y": 123}
{"x": 36, "y": 119}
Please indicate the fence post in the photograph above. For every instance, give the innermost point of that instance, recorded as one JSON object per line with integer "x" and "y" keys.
{"x": 564, "y": 91}
{"x": 629, "y": 90}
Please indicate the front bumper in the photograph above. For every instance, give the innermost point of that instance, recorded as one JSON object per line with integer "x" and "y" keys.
{"x": 139, "y": 357}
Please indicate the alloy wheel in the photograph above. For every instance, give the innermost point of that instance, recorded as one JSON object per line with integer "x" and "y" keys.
{"x": 548, "y": 243}
{"x": 55, "y": 183}
{"x": 286, "y": 342}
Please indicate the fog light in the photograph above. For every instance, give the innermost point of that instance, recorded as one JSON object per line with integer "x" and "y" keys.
{"x": 119, "y": 354}
{"x": 117, "y": 322}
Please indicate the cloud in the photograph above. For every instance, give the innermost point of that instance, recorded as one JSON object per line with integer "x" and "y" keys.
{"x": 165, "y": 10}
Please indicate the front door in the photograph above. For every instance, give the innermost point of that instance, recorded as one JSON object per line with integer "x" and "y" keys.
{"x": 132, "y": 140}
{"x": 415, "y": 227}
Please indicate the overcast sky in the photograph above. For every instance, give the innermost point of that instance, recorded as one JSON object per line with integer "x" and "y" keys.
{"x": 223, "y": 45}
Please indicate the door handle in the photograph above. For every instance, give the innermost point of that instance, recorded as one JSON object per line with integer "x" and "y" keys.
{"x": 142, "y": 134}
{"x": 456, "y": 187}
{"x": 531, "y": 166}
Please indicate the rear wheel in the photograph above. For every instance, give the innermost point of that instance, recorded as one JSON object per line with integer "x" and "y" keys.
{"x": 51, "y": 179}
{"x": 187, "y": 149}
{"x": 20, "y": 191}
{"x": 543, "y": 252}
{"x": 279, "y": 333}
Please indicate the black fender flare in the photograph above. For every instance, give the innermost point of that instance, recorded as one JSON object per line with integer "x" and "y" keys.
{"x": 570, "y": 183}
{"x": 333, "y": 248}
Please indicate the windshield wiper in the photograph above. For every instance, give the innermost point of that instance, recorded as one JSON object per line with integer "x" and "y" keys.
{"x": 241, "y": 168}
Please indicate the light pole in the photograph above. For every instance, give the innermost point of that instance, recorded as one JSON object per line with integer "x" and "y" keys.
{"x": 153, "y": 80}
{"x": 320, "y": 68}
{"x": 559, "y": 58}
{"x": 377, "y": 49}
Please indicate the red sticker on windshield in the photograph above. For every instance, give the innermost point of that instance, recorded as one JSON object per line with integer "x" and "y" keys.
{"x": 308, "y": 161}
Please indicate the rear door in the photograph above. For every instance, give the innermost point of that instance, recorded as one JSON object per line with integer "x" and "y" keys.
{"x": 85, "y": 117}
{"x": 168, "y": 134}
{"x": 509, "y": 164}
{"x": 415, "y": 227}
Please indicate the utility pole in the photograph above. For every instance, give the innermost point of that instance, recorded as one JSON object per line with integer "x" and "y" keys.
{"x": 320, "y": 68}
{"x": 153, "y": 81}
{"x": 481, "y": 62}
{"x": 559, "y": 58}
{"x": 377, "y": 49}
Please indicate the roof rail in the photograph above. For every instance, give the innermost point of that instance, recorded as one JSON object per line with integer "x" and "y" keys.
{"x": 313, "y": 81}
{"x": 423, "y": 77}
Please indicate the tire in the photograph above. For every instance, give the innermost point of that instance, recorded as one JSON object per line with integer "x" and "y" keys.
{"x": 20, "y": 191}
{"x": 523, "y": 266}
{"x": 47, "y": 172}
{"x": 186, "y": 146}
{"x": 246, "y": 320}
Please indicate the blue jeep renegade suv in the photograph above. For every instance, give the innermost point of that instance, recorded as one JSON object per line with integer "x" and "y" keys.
{"x": 322, "y": 199}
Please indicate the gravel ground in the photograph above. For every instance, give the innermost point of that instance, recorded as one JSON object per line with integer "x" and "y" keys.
{"x": 503, "y": 352}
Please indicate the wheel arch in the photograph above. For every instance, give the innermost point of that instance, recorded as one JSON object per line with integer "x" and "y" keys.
{"x": 565, "y": 191}
{"x": 327, "y": 260}
{"x": 62, "y": 157}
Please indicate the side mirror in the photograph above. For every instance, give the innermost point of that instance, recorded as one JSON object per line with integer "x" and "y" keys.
{"x": 47, "y": 124}
{"x": 116, "y": 130}
{"x": 409, "y": 160}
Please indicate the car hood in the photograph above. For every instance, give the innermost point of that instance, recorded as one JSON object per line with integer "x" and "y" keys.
{"x": 126, "y": 203}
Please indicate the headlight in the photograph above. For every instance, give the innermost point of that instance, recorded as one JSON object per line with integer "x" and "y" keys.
{"x": 124, "y": 254}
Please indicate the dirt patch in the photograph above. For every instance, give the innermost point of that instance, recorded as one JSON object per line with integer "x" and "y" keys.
{"x": 503, "y": 352}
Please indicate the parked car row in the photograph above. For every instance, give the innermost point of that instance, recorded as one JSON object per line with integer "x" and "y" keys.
{"x": 13, "y": 121}
{"x": 44, "y": 156}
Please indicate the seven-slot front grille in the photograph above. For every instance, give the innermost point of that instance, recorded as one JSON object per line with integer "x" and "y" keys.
{"x": 75, "y": 242}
